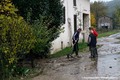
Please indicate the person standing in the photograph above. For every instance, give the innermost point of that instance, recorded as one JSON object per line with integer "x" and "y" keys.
{"x": 92, "y": 41}
{"x": 94, "y": 31}
{"x": 75, "y": 39}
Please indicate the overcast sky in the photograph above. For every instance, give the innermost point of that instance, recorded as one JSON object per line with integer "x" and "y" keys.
{"x": 99, "y": 0}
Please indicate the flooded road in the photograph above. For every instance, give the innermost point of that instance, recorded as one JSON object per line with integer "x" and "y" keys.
{"x": 105, "y": 67}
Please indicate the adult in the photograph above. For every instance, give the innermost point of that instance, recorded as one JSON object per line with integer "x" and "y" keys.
{"x": 75, "y": 39}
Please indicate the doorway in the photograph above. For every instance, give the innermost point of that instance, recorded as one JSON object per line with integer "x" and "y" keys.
{"x": 75, "y": 23}
{"x": 85, "y": 26}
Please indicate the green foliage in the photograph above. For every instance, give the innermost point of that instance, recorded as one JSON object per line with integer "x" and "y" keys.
{"x": 83, "y": 47}
{"x": 116, "y": 18}
{"x": 35, "y": 7}
{"x": 16, "y": 38}
{"x": 21, "y": 70}
{"x": 46, "y": 29}
{"x": 51, "y": 9}
{"x": 67, "y": 50}
{"x": 107, "y": 33}
{"x": 43, "y": 38}
{"x": 6, "y": 8}
{"x": 61, "y": 53}
{"x": 56, "y": 11}
{"x": 98, "y": 9}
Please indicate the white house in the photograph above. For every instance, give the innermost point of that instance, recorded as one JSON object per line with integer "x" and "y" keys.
{"x": 77, "y": 15}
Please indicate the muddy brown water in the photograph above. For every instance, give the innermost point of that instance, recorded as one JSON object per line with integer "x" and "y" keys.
{"x": 105, "y": 67}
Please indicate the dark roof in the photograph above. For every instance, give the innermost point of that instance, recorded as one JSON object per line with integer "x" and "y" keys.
{"x": 106, "y": 16}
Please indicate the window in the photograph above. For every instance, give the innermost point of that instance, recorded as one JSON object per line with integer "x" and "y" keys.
{"x": 64, "y": 17}
{"x": 74, "y": 2}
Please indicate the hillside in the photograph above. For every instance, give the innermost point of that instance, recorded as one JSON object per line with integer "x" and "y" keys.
{"x": 111, "y": 6}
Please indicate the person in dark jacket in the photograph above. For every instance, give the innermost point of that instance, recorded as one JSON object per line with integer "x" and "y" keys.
{"x": 92, "y": 44}
{"x": 75, "y": 39}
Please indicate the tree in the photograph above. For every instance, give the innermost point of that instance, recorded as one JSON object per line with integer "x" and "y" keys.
{"x": 32, "y": 8}
{"x": 56, "y": 12}
{"x": 111, "y": 6}
{"x": 116, "y": 16}
{"x": 16, "y": 38}
{"x": 98, "y": 9}
{"x": 35, "y": 10}
{"x": 43, "y": 38}
{"x": 93, "y": 21}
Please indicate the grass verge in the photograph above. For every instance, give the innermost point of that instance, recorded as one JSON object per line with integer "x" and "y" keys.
{"x": 82, "y": 47}
{"x": 107, "y": 33}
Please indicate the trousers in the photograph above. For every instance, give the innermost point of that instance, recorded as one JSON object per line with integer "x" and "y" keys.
{"x": 93, "y": 51}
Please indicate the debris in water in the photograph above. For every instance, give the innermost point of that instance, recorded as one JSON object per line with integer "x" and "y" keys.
{"x": 115, "y": 58}
{"x": 110, "y": 67}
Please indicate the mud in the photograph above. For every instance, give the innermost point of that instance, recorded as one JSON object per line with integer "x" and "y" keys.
{"x": 105, "y": 67}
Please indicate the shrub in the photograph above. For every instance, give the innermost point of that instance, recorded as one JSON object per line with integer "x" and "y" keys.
{"x": 43, "y": 38}
{"x": 16, "y": 39}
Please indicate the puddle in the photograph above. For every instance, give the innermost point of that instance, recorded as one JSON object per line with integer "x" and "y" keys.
{"x": 109, "y": 65}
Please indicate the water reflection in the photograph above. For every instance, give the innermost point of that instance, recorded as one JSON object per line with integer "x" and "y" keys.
{"x": 108, "y": 65}
{"x": 95, "y": 63}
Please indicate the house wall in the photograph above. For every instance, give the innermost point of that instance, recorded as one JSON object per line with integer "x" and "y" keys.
{"x": 105, "y": 21}
{"x": 82, "y": 10}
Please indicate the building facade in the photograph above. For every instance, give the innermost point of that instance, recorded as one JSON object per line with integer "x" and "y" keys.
{"x": 76, "y": 15}
{"x": 105, "y": 22}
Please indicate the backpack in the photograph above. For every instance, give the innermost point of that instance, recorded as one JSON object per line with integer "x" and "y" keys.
{"x": 95, "y": 32}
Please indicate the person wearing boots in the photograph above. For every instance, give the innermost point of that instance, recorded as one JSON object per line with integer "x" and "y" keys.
{"x": 75, "y": 39}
